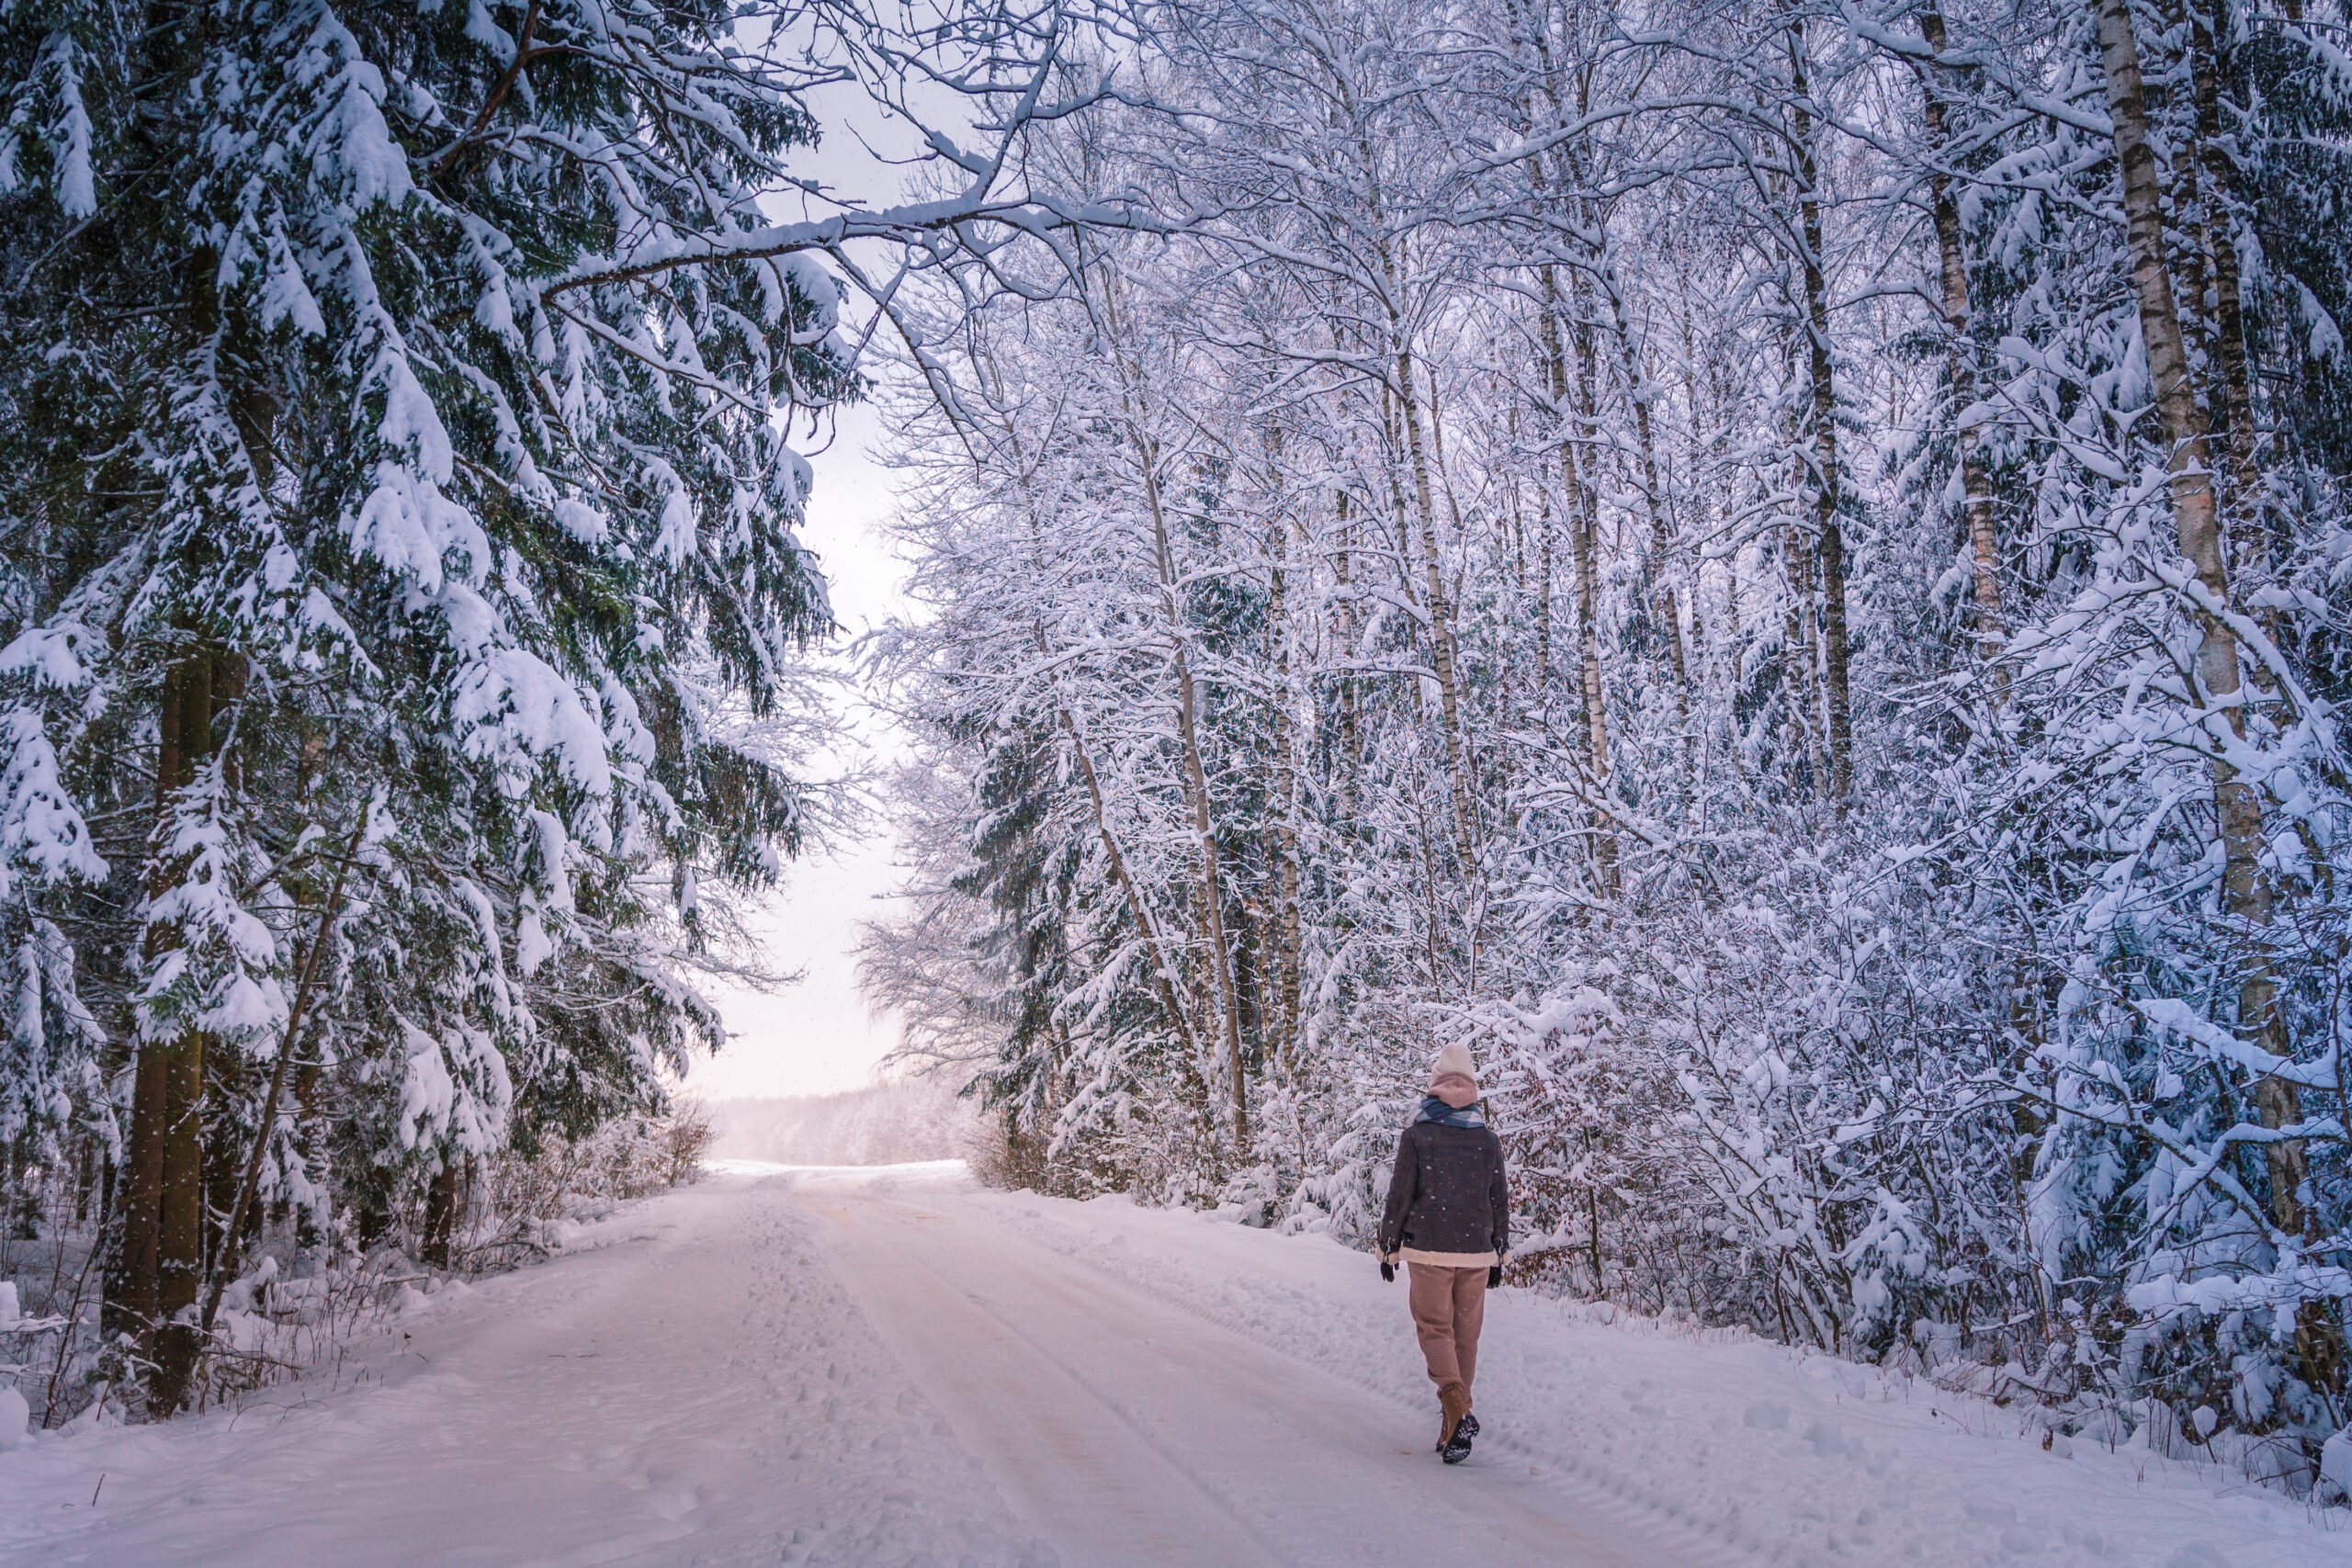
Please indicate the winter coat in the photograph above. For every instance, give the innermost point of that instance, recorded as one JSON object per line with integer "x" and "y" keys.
{"x": 1447, "y": 1194}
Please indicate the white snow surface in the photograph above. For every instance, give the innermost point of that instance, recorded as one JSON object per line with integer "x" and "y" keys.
{"x": 893, "y": 1366}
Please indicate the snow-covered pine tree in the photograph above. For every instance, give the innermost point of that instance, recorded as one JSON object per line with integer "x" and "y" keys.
{"x": 404, "y": 578}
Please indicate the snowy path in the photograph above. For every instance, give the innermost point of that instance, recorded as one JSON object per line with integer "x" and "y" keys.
{"x": 874, "y": 1370}
{"x": 665, "y": 1395}
{"x": 1127, "y": 1431}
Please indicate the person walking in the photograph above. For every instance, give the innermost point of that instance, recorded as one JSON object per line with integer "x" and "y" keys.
{"x": 1449, "y": 1222}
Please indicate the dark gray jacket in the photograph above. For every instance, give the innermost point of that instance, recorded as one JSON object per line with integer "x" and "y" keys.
{"x": 1447, "y": 1194}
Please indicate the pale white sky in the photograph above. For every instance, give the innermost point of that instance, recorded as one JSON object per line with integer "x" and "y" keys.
{"x": 816, "y": 1037}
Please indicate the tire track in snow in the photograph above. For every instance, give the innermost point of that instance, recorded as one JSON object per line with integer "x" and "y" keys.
{"x": 929, "y": 1339}
{"x": 691, "y": 1388}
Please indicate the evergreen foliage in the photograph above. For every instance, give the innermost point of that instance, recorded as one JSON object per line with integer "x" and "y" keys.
{"x": 407, "y": 620}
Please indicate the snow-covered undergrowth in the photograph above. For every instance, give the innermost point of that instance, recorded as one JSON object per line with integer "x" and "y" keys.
{"x": 303, "y": 1301}
{"x": 279, "y": 1321}
{"x": 1803, "y": 1458}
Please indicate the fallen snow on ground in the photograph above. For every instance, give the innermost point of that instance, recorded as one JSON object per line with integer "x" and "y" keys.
{"x": 1129, "y": 1431}
{"x": 895, "y": 1367}
{"x": 1804, "y": 1460}
{"x": 687, "y": 1385}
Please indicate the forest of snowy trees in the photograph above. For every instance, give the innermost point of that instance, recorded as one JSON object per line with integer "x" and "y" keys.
{"x": 1780, "y": 568}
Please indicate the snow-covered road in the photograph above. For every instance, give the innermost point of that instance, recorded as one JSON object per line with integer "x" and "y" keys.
{"x": 1124, "y": 1430}
{"x": 876, "y": 1368}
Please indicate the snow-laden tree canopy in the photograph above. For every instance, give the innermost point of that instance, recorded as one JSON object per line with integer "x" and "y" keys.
{"x": 1781, "y": 569}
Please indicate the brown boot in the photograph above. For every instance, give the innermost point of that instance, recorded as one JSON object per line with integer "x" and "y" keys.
{"x": 1453, "y": 1404}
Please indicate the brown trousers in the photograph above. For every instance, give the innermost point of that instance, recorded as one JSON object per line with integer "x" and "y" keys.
{"x": 1449, "y": 1306}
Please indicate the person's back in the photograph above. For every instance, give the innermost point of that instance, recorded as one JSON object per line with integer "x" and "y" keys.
{"x": 1453, "y": 1215}
{"x": 1448, "y": 1220}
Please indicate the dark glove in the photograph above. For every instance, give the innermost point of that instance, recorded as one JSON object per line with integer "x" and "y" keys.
{"x": 1388, "y": 1271}
{"x": 1495, "y": 1277}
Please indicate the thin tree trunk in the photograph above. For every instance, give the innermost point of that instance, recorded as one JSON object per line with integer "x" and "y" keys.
{"x": 297, "y": 1013}
{"x": 1547, "y": 550}
{"x": 1285, "y": 947}
{"x": 225, "y": 1088}
{"x": 1803, "y": 661}
{"x": 1351, "y": 757}
{"x": 1530, "y": 32}
{"x": 1163, "y": 984}
{"x": 1196, "y": 791}
{"x": 1596, "y": 709}
{"x": 1830, "y": 537}
{"x": 1959, "y": 356}
{"x": 2234, "y": 383}
{"x": 1577, "y": 501}
{"x": 1194, "y": 775}
{"x": 1442, "y": 648}
{"x": 2244, "y": 514}
{"x": 1664, "y": 575}
{"x": 1585, "y": 540}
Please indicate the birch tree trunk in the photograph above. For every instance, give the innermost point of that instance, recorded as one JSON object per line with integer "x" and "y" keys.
{"x": 1584, "y": 541}
{"x": 1569, "y": 410}
{"x": 1960, "y": 352}
{"x": 1350, "y": 762}
{"x": 2233, "y": 379}
{"x": 2245, "y": 889}
{"x": 1442, "y": 648}
{"x": 1287, "y": 940}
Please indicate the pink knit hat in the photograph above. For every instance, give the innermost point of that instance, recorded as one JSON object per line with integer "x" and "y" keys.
{"x": 1453, "y": 1078}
